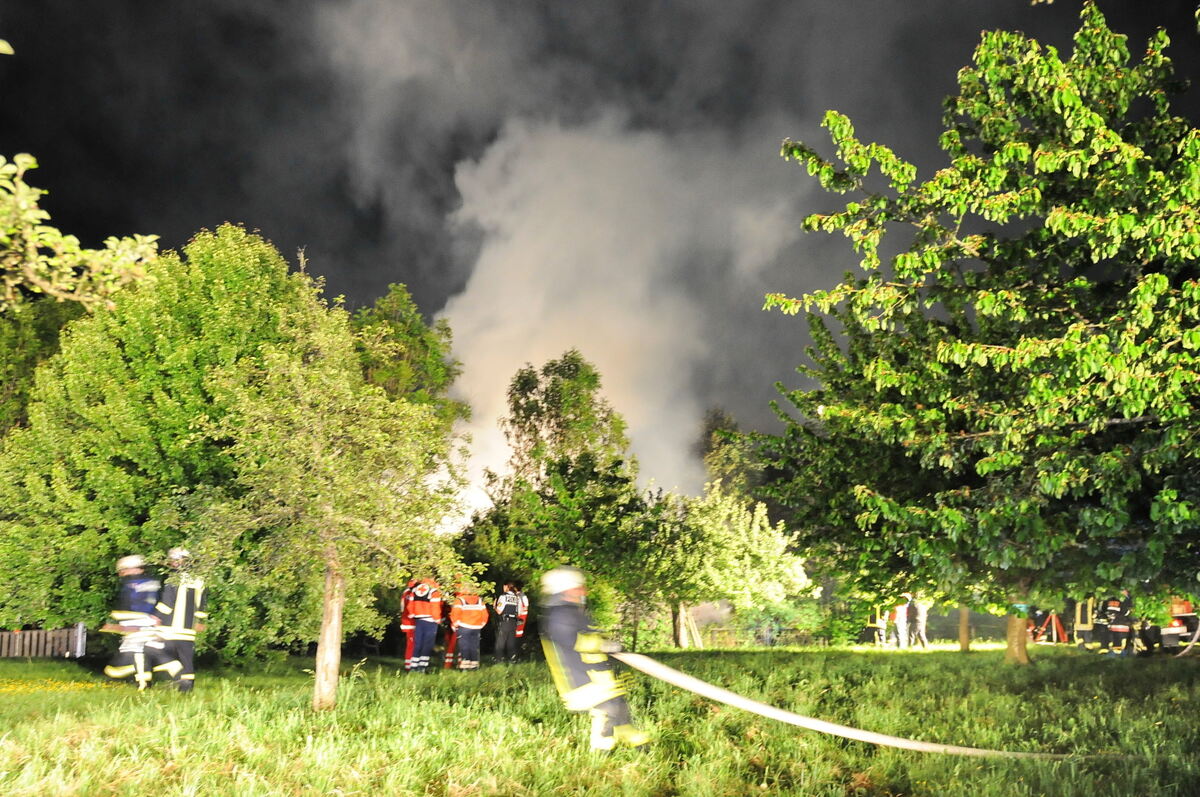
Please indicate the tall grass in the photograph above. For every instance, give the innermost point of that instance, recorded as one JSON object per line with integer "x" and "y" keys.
{"x": 502, "y": 731}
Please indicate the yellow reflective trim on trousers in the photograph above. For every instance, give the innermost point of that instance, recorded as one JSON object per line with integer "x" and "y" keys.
{"x": 557, "y": 671}
{"x": 191, "y": 676}
{"x": 124, "y": 671}
{"x": 171, "y": 668}
{"x": 602, "y": 687}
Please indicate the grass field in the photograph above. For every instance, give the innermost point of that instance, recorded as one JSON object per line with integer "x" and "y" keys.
{"x": 501, "y": 731}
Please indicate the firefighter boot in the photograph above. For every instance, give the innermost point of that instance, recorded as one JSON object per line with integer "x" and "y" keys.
{"x": 603, "y": 738}
{"x": 629, "y": 736}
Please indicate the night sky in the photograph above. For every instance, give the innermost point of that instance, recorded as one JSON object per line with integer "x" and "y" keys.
{"x": 546, "y": 175}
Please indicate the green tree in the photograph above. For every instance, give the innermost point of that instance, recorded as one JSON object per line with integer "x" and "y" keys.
{"x": 184, "y": 411}
{"x": 571, "y": 494}
{"x": 343, "y": 488}
{"x": 29, "y": 334}
{"x": 557, "y": 413}
{"x": 719, "y": 546}
{"x": 405, "y": 356}
{"x": 1022, "y": 372}
{"x": 38, "y": 259}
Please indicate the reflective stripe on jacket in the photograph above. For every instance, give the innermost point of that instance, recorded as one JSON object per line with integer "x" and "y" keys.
{"x": 426, "y": 601}
{"x": 181, "y": 607}
{"x": 469, "y": 611}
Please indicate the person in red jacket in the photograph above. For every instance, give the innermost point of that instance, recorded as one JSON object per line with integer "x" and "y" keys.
{"x": 425, "y": 609}
{"x": 468, "y": 616}
{"x": 406, "y": 623}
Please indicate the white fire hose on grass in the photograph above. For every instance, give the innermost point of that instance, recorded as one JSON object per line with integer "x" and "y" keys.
{"x": 676, "y": 678}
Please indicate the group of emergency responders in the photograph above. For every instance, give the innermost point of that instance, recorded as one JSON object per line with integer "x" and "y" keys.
{"x": 422, "y": 611}
{"x": 157, "y": 622}
{"x": 1111, "y": 624}
{"x": 575, "y": 651}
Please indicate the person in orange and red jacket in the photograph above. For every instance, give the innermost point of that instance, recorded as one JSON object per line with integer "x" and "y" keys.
{"x": 406, "y": 623}
{"x": 512, "y": 608}
{"x": 425, "y": 608}
{"x": 468, "y": 616}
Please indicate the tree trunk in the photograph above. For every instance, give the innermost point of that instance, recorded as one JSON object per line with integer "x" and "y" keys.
{"x": 964, "y": 629}
{"x": 329, "y": 644}
{"x": 1017, "y": 636}
{"x": 679, "y": 625}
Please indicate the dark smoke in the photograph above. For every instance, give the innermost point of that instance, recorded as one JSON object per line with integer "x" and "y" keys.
{"x": 547, "y": 175}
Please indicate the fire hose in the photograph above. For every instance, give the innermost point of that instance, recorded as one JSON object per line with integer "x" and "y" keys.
{"x": 1190, "y": 644}
{"x": 684, "y": 681}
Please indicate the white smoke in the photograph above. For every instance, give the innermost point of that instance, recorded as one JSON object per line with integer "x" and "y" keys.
{"x": 623, "y": 244}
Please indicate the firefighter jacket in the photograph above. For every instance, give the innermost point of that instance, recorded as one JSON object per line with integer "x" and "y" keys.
{"x": 1085, "y": 613}
{"x": 1119, "y": 612}
{"x": 426, "y": 601}
{"x": 135, "y": 602}
{"x": 406, "y": 620}
{"x": 513, "y": 605}
{"x": 574, "y": 650}
{"x": 468, "y": 611}
{"x": 181, "y": 607}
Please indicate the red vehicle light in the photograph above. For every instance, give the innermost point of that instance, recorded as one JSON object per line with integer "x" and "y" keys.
{"x": 1176, "y": 622}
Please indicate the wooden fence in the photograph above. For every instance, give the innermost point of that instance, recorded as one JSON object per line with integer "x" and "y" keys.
{"x": 60, "y": 643}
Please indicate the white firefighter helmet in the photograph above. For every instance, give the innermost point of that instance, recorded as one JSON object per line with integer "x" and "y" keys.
{"x": 131, "y": 562}
{"x": 561, "y": 579}
{"x": 178, "y": 554}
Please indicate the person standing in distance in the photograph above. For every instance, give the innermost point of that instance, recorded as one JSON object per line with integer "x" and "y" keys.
{"x": 425, "y": 610}
{"x": 512, "y": 607}
{"x": 579, "y": 664}
{"x": 468, "y": 616}
{"x": 181, "y": 611}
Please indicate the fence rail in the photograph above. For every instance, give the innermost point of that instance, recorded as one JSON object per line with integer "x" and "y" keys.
{"x": 59, "y": 643}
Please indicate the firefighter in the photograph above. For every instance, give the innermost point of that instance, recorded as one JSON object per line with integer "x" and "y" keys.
{"x": 406, "y": 623}
{"x": 425, "y": 609}
{"x": 468, "y": 616}
{"x": 1085, "y": 625}
{"x": 181, "y": 611}
{"x": 1119, "y": 612}
{"x": 141, "y": 650}
{"x": 877, "y": 625}
{"x": 512, "y": 609}
{"x": 576, "y": 654}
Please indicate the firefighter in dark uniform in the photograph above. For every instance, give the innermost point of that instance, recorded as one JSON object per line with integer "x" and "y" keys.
{"x": 181, "y": 610}
{"x": 576, "y": 654}
{"x": 512, "y": 608}
{"x": 142, "y": 650}
{"x": 1119, "y": 613}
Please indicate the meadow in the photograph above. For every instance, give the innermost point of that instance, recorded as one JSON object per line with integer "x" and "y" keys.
{"x": 501, "y": 730}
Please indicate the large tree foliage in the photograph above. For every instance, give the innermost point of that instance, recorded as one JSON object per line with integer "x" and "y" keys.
{"x": 570, "y": 493}
{"x": 572, "y": 497}
{"x": 219, "y": 401}
{"x": 1013, "y": 407}
{"x": 404, "y": 355}
{"x": 29, "y": 334}
{"x": 38, "y": 259}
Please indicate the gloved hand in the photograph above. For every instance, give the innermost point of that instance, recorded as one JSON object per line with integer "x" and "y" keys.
{"x": 610, "y": 646}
